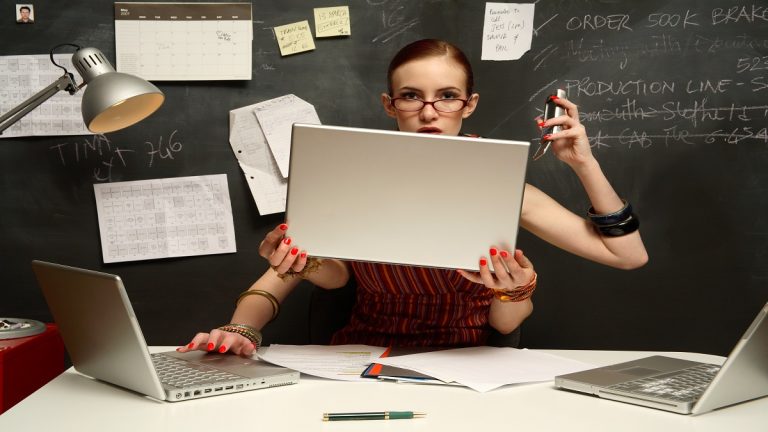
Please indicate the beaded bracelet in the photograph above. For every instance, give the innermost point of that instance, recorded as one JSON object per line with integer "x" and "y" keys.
{"x": 312, "y": 265}
{"x": 268, "y": 295}
{"x": 517, "y": 294}
{"x": 245, "y": 331}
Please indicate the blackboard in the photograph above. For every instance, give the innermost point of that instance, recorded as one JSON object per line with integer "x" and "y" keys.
{"x": 673, "y": 95}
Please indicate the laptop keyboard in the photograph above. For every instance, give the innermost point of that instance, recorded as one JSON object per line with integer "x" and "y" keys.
{"x": 683, "y": 385}
{"x": 179, "y": 373}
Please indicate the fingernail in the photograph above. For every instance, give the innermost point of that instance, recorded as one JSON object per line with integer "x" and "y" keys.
{"x": 303, "y": 255}
{"x": 483, "y": 262}
{"x": 222, "y": 349}
{"x": 283, "y": 227}
{"x": 191, "y": 345}
{"x": 210, "y": 346}
{"x": 547, "y": 137}
{"x": 287, "y": 240}
{"x": 504, "y": 254}
{"x": 541, "y": 124}
{"x": 494, "y": 251}
{"x": 294, "y": 251}
{"x": 554, "y": 97}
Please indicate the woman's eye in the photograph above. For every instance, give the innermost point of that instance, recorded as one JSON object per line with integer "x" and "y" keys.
{"x": 409, "y": 95}
{"x": 449, "y": 95}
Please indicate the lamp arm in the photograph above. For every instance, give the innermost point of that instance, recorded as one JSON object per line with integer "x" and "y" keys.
{"x": 65, "y": 82}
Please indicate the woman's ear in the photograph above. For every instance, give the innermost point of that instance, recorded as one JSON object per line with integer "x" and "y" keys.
{"x": 386, "y": 101}
{"x": 471, "y": 105}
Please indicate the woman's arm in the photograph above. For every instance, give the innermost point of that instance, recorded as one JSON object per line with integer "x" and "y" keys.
{"x": 547, "y": 219}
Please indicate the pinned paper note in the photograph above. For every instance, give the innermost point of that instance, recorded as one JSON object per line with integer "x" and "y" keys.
{"x": 276, "y": 118}
{"x": 507, "y": 30}
{"x": 332, "y": 21}
{"x": 268, "y": 187}
{"x": 294, "y": 38}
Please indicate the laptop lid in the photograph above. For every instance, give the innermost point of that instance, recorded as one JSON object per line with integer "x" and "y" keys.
{"x": 743, "y": 376}
{"x": 403, "y": 198}
{"x": 104, "y": 340}
{"x": 99, "y": 328}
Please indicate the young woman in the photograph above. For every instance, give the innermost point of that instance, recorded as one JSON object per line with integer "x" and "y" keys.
{"x": 430, "y": 91}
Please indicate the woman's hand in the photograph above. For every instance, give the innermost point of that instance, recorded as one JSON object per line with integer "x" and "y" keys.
{"x": 220, "y": 341}
{"x": 509, "y": 270}
{"x": 571, "y": 144}
{"x": 281, "y": 252}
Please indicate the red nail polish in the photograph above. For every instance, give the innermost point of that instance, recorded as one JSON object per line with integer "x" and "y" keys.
{"x": 504, "y": 254}
{"x": 303, "y": 255}
{"x": 283, "y": 227}
{"x": 294, "y": 251}
{"x": 191, "y": 345}
{"x": 541, "y": 124}
{"x": 494, "y": 251}
{"x": 483, "y": 262}
{"x": 210, "y": 346}
{"x": 547, "y": 137}
{"x": 287, "y": 240}
{"x": 222, "y": 349}
{"x": 553, "y": 97}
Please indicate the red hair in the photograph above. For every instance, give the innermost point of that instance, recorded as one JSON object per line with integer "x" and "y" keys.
{"x": 430, "y": 48}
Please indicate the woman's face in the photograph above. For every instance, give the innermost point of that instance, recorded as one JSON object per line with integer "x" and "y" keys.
{"x": 430, "y": 79}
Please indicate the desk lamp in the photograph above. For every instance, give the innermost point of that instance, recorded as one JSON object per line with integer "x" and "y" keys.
{"x": 112, "y": 100}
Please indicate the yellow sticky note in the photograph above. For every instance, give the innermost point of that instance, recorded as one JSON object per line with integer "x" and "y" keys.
{"x": 294, "y": 38}
{"x": 332, "y": 21}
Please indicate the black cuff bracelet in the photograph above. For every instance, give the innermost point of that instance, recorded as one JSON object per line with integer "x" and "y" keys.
{"x": 630, "y": 225}
{"x": 614, "y": 218}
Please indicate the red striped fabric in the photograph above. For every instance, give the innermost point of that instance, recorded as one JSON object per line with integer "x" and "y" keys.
{"x": 415, "y": 306}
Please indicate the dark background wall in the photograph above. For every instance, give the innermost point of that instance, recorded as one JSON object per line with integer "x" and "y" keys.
{"x": 673, "y": 95}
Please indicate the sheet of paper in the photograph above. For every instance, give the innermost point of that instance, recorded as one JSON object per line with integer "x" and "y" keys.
{"x": 267, "y": 185}
{"x": 338, "y": 362}
{"x": 294, "y": 38}
{"x": 332, "y": 21}
{"x": 507, "y": 30}
{"x": 486, "y": 368}
{"x": 163, "y": 218}
{"x": 276, "y": 118}
{"x": 24, "y": 75}
{"x": 184, "y": 41}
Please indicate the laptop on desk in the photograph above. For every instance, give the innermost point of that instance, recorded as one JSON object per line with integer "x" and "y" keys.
{"x": 104, "y": 341}
{"x": 683, "y": 386}
{"x": 403, "y": 198}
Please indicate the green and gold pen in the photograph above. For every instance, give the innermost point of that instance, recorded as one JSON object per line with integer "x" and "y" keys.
{"x": 383, "y": 415}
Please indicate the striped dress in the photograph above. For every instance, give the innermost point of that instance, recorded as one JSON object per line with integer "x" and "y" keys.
{"x": 415, "y": 306}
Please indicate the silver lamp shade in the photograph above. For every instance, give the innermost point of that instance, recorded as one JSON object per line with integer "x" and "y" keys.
{"x": 113, "y": 100}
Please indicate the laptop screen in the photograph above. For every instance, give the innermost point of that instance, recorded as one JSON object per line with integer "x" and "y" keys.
{"x": 403, "y": 198}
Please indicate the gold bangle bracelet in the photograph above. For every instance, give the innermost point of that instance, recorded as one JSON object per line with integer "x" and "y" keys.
{"x": 267, "y": 295}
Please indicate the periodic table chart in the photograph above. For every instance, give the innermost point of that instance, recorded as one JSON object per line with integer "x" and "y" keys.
{"x": 184, "y": 41}
{"x": 163, "y": 218}
{"x": 22, "y": 76}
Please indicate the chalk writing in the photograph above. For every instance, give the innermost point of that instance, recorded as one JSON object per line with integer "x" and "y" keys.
{"x": 104, "y": 156}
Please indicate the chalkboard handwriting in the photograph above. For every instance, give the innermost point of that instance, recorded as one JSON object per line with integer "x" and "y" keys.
{"x": 632, "y": 137}
{"x": 617, "y": 22}
{"x": 739, "y": 14}
{"x": 394, "y": 19}
{"x": 103, "y": 155}
{"x": 165, "y": 150}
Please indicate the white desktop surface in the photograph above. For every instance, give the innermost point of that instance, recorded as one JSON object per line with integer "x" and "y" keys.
{"x": 73, "y": 402}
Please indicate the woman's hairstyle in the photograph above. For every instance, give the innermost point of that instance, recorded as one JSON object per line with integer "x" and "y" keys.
{"x": 430, "y": 48}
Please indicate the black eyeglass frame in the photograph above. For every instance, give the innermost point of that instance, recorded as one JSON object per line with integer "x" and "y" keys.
{"x": 425, "y": 103}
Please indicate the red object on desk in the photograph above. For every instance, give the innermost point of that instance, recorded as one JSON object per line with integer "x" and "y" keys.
{"x": 28, "y": 363}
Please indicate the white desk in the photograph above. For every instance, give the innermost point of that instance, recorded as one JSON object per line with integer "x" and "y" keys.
{"x": 73, "y": 402}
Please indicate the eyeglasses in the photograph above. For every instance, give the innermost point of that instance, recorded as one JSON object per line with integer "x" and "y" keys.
{"x": 442, "y": 105}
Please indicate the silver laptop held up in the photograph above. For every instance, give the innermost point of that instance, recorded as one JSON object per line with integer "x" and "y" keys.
{"x": 403, "y": 198}
{"x": 104, "y": 341}
{"x": 683, "y": 386}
